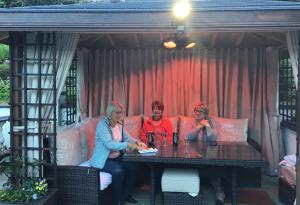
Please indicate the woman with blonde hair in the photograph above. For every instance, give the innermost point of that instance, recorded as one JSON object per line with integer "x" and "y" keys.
{"x": 111, "y": 141}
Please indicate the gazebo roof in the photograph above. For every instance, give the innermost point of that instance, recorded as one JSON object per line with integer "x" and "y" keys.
{"x": 165, "y": 5}
{"x": 145, "y": 23}
{"x": 154, "y": 16}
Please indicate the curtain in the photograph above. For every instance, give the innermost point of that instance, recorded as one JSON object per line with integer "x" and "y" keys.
{"x": 233, "y": 82}
{"x": 66, "y": 44}
{"x": 292, "y": 38}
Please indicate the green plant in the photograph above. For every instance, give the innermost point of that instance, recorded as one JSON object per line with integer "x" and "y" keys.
{"x": 4, "y": 91}
{"x": 4, "y": 51}
{"x": 30, "y": 190}
{"x": 25, "y": 189}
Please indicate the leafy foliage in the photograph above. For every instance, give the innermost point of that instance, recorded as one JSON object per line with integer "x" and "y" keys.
{"x": 4, "y": 73}
{"x": 4, "y": 91}
{"x": 27, "y": 189}
{"x": 4, "y": 50}
{"x": 31, "y": 189}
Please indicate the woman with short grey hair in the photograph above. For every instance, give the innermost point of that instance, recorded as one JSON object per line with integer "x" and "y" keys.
{"x": 111, "y": 141}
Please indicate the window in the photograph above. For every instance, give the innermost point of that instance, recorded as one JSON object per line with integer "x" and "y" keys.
{"x": 287, "y": 91}
{"x": 68, "y": 98}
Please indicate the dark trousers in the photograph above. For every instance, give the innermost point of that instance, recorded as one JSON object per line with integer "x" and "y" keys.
{"x": 124, "y": 175}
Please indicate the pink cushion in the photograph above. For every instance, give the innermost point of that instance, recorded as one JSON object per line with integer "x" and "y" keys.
{"x": 69, "y": 148}
{"x": 174, "y": 123}
{"x": 133, "y": 125}
{"x": 233, "y": 130}
{"x": 185, "y": 125}
{"x": 88, "y": 129}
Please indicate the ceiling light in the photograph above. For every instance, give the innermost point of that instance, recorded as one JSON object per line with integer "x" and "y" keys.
{"x": 178, "y": 42}
{"x": 169, "y": 43}
{"x": 189, "y": 43}
{"x": 182, "y": 9}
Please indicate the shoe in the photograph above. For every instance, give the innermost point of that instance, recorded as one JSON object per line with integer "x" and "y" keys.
{"x": 219, "y": 202}
{"x": 130, "y": 200}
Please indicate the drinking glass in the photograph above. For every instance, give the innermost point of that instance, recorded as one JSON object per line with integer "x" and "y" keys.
{"x": 187, "y": 148}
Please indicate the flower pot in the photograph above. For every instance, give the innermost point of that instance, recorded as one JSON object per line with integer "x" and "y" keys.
{"x": 49, "y": 199}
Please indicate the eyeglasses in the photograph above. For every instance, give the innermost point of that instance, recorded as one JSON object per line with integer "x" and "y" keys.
{"x": 118, "y": 112}
{"x": 199, "y": 111}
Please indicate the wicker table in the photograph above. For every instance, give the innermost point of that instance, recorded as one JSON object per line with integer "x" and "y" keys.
{"x": 226, "y": 154}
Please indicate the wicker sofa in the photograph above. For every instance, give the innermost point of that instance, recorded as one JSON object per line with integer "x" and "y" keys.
{"x": 81, "y": 185}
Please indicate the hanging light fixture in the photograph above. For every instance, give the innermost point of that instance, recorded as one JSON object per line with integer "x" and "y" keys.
{"x": 178, "y": 41}
{"x": 189, "y": 43}
{"x": 170, "y": 43}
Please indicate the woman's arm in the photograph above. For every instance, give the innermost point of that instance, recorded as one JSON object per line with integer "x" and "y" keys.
{"x": 193, "y": 133}
{"x": 104, "y": 135}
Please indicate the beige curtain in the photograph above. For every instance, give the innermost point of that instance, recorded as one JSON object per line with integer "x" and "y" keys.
{"x": 233, "y": 82}
{"x": 292, "y": 38}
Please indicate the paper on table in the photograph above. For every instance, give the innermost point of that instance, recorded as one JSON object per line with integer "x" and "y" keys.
{"x": 148, "y": 150}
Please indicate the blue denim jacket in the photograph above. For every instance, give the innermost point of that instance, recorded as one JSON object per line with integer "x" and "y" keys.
{"x": 104, "y": 143}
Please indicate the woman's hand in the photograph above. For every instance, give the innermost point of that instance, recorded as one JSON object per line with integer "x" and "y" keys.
{"x": 133, "y": 146}
{"x": 141, "y": 145}
{"x": 204, "y": 123}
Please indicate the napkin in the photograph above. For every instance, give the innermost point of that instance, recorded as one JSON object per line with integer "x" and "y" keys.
{"x": 148, "y": 150}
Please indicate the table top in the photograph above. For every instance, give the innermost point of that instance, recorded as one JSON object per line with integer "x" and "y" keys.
{"x": 225, "y": 153}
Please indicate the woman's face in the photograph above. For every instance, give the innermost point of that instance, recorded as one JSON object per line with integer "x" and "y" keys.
{"x": 199, "y": 115}
{"x": 116, "y": 115}
{"x": 157, "y": 114}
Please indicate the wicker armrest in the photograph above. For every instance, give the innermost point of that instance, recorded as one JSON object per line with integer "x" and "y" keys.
{"x": 78, "y": 185}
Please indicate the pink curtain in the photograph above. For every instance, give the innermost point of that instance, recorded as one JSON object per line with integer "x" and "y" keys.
{"x": 233, "y": 82}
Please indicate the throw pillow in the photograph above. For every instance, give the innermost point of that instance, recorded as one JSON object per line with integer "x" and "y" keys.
{"x": 185, "y": 125}
{"x": 133, "y": 125}
{"x": 69, "y": 150}
{"x": 233, "y": 130}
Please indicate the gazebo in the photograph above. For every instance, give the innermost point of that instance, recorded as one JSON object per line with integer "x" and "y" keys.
{"x": 119, "y": 54}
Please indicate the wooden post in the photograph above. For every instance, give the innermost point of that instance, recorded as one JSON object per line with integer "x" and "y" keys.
{"x": 298, "y": 128}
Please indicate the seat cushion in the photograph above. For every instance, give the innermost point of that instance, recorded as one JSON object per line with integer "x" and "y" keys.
{"x": 180, "y": 180}
{"x": 233, "y": 130}
{"x": 105, "y": 178}
{"x": 287, "y": 170}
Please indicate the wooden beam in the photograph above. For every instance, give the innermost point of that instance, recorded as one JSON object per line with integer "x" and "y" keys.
{"x": 213, "y": 40}
{"x": 3, "y": 35}
{"x": 270, "y": 37}
{"x": 136, "y": 40}
{"x": 298, "y": 101}
{"x": 161, "y": 36}
{"x": 240, "y": 39}
{"x": 111, "y": 40}
{"x": 95, "y": 39}
{"x": 84, "y": 38}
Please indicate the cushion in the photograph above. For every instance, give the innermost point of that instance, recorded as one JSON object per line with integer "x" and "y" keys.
{"x": 69, "y": 148}
{"x": 185, "y": 125}
{"x": 105, "y": 178}
{"x": 174, "y": 123}
{"x": 133, "y": 125}
{"x": 233, "y": 130}
{"x": 180, "y": 180}
{"x": 88, "y": 131}
{"x": 287, "y": 172}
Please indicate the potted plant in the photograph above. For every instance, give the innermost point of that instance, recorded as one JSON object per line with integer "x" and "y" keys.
{"x": 24, "y": 190}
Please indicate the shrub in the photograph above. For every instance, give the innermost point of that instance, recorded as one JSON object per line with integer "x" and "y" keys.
{"x": 27, "y": 188}
{"x": 4, "y": 91}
